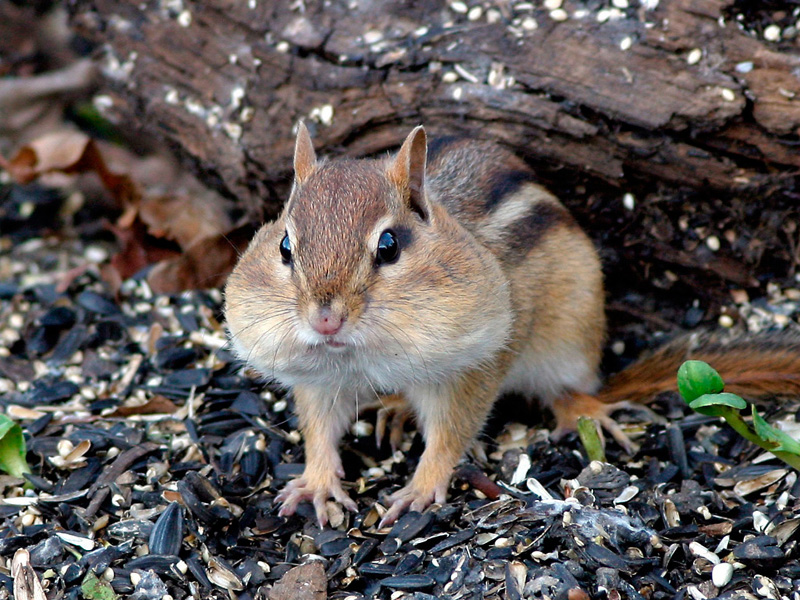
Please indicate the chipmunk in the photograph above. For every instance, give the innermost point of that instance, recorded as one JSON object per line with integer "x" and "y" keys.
{"x": 446, "y": 275}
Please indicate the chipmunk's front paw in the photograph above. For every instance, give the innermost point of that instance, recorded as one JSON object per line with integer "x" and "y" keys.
{"x": 413, "y": 497}
{"x": 317, "y": 492}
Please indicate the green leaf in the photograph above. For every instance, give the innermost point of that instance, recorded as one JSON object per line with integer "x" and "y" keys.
{"x": 784, "y": 442}
{"x": 724, "y": 399}
{"x": 12, "y": 448}
{"x": 696, "y": 378}
{"x": 94, "y": 588}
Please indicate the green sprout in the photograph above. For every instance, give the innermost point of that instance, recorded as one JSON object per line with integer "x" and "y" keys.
{"x": 701, "y": 388}
{"x": 590, "y": 438}
{"x": 12, "y": 448}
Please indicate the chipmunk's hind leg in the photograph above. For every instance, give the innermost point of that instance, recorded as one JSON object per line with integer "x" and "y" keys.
{"x": 569, "y": 407}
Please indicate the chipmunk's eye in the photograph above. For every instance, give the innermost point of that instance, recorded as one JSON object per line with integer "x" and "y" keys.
{"x": 388, "y": 248}
{"x": 286, "y": 249}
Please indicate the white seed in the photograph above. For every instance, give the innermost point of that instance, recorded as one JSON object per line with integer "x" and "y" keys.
{"x": 326, "y": 114}
{"x": 373, "y": 36}
{"x": 721, "y": 574}
{"x": 465, "y": 74}
{"x": 559, "y": 14}
{"x": 772, "y": 33}
{"x": 457, "y": 93}
{"x": 553, "y": 4}
{"x": 627, "y": 494}
{"x": 529, "y": 23}
{"x": 521, "y": 472}
{"x": 603, "y": 15}
{"x": 282, "y": 47}
{"x": 699, "y": 550}
{"x": 727, "y": 94}
{"x": 185, "y": 19}
{"x": 450, "y": 77}
{"x": 725, "y": 321}
{"x": 475, "y": 13}
{"x": 695, "y": 593}
{"x": 493, "y": 15}
{"x": 620, "y": 3}
{"x": 694, "y": 56}
{"x": 362, "y": 429}
{"x": 744, "y": 67}
{"x": 626, "y": 43}
{"x": 135, "y": 578}
{"x": 712, "y": 242}
{"x": 64, "y": 448}
{"x": 629, "y": 201}
{"x": 760, "y": 521}
{"x": 459, "y": 7}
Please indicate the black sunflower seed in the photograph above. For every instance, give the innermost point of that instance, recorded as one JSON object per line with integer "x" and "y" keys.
{"x": 167, "y": 533}
{"x": 408, "y": 582}
{"x": 95, "y": 303}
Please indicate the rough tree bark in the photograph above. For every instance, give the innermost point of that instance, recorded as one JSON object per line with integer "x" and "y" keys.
{"x": 674, "y": 100}
{"x": 678, "y": 93}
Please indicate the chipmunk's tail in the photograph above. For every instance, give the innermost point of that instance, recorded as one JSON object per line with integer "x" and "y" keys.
{"x": 756, "y": 366}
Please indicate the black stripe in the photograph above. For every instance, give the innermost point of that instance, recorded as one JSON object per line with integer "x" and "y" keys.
{"x": 526, "y": 233}
{"x": 439, "y": 144}
{"x": 505, "y": 183}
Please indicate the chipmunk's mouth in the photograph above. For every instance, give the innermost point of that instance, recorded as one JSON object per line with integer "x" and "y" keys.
{"x": 334, "y": 344}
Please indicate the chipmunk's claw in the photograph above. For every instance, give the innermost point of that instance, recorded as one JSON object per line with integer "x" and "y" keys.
{"x": 303, "y": 489}
{"x": 412, "y": 498}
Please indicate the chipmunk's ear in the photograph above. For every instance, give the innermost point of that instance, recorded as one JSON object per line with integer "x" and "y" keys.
{"x": 408, "y": 171}
{"x": 305, "y": 159}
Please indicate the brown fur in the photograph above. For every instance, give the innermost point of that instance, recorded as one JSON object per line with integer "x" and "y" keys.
{"x": 495, "y": 289}
{"x": 751, "y": 366}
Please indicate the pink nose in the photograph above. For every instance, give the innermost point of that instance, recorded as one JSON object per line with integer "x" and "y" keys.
{"x": 326, "y": 322}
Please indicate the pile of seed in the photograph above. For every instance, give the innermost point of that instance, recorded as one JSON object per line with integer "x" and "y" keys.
{"x": 155, "y": 461}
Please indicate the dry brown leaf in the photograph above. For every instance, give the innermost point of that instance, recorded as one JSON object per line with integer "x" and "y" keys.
{"x": 184, "y": 218}
{"x": 154, "y": 227}
{"x": 205, "y": 264}
{"x": 70, "y": 152}
{"x": 32, "y": 106}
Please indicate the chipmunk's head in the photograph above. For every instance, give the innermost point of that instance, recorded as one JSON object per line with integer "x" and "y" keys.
{"x": 349, "y": 274}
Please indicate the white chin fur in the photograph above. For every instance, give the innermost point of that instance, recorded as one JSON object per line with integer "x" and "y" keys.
{"x": 369, "y": 361}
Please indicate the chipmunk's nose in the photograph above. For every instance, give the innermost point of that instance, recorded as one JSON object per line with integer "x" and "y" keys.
{"x": 326, "y": 321}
